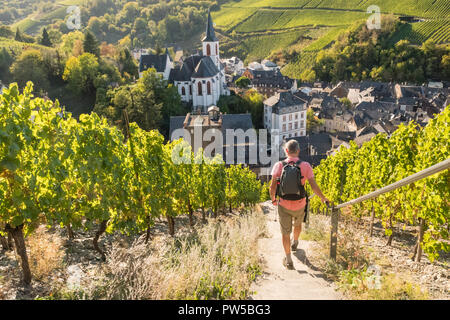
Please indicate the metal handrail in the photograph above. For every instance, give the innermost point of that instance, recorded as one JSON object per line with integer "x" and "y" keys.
{"x": 408, "y": 180}
{"x": 444, "y": 165}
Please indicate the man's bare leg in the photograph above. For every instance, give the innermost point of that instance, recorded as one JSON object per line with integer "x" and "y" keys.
{"x": 286, "y": 238}
{"x": 287, "y": 244}
{"x": 297, "y": 231}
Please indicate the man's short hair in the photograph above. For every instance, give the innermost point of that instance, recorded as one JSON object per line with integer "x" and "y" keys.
{"x": 292, "y": 146}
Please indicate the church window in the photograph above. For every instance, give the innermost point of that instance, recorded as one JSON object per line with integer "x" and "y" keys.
{"x": 208, "y": 86}
{"x": 200, "y": 93}
{"x": 190, "y": 89}
{"x": 208, "y": 50}
{"x": 217, "y": 50}
{"x": 183, "y": 91}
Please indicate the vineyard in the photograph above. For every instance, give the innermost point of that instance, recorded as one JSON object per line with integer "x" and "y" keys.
{"x": 250, "y": 25}
{"x": 88, "y": 175}
{"x": 282, "y": 19}
{"x": 424, "y": 8}
{"x": 417, "y": 33}
{"x": 354, "y": 172}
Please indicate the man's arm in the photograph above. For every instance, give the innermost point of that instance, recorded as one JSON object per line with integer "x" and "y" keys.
{"x": 273, "y": 189}
{"x": 316, "y": 189}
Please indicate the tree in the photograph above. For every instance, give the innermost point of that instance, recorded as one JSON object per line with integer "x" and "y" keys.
{"x": 346, "y": 102}
{"x": 243, "y": 82}
{"x": 6, "y": 32}
{"x": 127, "y": 64}
{"x": 30, "y": 67}
{"x": 5, "y": 63}
{"x": 18, "y": 36}
{"x": 312, "y": 122}
{"x": 45, "y": 41}
{"x": 90, "y": 44}
{"x": 81, "y": 72}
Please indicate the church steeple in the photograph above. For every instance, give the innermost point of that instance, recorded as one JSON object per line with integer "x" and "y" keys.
{"x": 210, "y": 34}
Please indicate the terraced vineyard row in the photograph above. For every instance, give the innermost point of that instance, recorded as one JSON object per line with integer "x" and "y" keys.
{"x": 304, "y": 63}
{"x": 417, "y": 33}
{"x": 423, "y": 8}
{"x": 326, "y": 40}
{"x": 260, "y": 46}
{"x": 265, "y": 19}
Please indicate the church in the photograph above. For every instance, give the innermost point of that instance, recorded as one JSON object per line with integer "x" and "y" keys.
{"x": 200, "y": 78}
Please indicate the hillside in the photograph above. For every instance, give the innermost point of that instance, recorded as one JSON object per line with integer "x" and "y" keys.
{"x": 254, "y": 27}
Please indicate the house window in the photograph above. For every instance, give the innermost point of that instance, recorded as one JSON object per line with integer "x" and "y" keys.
{"x": 302, "y": 124}
{"x": 290, "y": 126}
{"x": 284, "y": 118}
{"x": 296, "y": 116}
{"x": 200, "y": 93}
{"x": 290, "y": 117}
{"x": 284, "y": 127}
{"x": 208, "y": 50}
{"x": 296, "y": 125}
{"x": 303, "y": 115}
{"x": 208, "y": 88}
{"x": 183, "y": 91}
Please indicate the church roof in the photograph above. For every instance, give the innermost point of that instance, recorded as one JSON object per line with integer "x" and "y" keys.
{"x": 153, "y": 61}
{"x": 205, "y": 69}
{"x": 210, "y": 34}
{"x": 195, "y": 66}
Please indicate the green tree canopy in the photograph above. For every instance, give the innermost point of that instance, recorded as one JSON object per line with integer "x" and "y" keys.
{"x": 90, "y": 44}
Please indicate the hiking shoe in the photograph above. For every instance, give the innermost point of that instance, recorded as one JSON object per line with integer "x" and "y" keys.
{"x": 289, "y": 266}
{"x": 294, "y": 246}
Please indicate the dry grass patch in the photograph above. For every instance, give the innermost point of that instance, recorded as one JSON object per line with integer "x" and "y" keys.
{"x": 45, "y": 252}
{"x": 218, "y": 260}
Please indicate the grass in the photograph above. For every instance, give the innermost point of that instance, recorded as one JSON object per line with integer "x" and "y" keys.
{"x": 218, "y": 260}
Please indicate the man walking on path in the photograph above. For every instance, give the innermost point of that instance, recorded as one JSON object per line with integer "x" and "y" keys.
{"x": 292, "y": 206}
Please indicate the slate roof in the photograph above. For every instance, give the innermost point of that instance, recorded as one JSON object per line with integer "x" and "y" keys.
{"x": 271, "y": 78}
{"x": 195, "y": 66}
{"x": 156, "y": 61}
{"x": 229, "y": 121}
{"x": 281, "y": 101}
{"x": 320, "y": 143}
{"x": 210, "y": 34}
{"x": 364, "y": 138}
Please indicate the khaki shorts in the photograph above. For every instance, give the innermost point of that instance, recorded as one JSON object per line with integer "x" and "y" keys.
{"x": 286, "y": 217}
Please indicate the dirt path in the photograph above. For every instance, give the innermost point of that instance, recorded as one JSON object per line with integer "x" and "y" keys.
{"x": 278, "y": 283}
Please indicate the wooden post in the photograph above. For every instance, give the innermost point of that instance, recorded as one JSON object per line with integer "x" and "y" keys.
{"x": 418, "y": 256}
{"x": 372, "y": 220}
{"x": 334, "y": 231}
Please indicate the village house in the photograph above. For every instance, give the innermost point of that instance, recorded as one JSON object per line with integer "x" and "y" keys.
{"x": 161, "y": 63}
{"x": 269, "y": 82}
{"x": 214, "y": 119}
{"x": 286, "y": 111}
